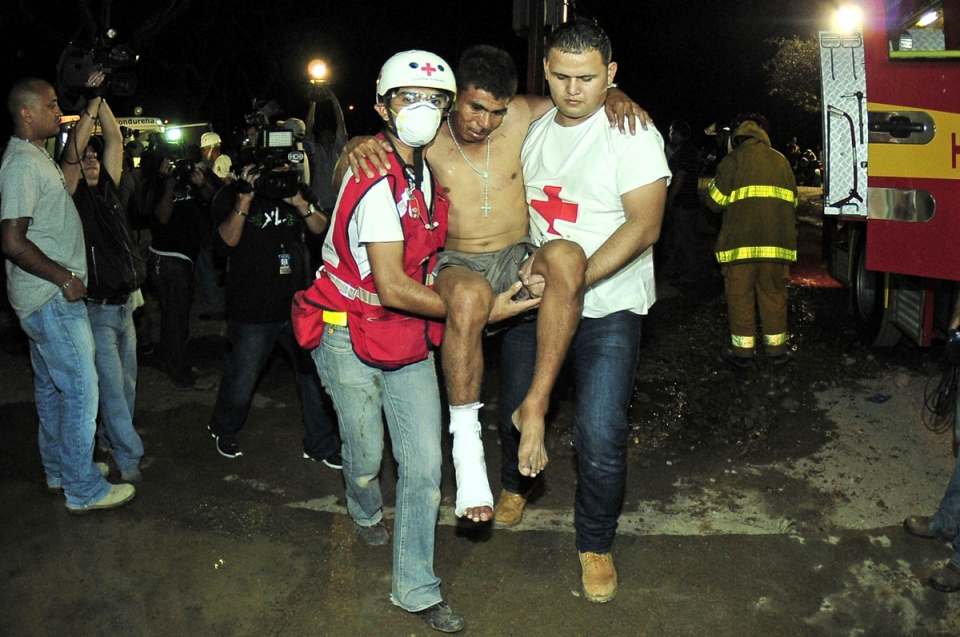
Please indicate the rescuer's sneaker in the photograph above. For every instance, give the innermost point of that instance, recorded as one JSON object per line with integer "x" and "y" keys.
{"x": 509, "y": 509}
{"x": 374, "y": 535}
{"x": 946, "y": 579}
{"x": 118, "y": 495}
{"x": 442, "y": 617}
{"x": 599, "y": 577}
{"x": 919, "y": 525}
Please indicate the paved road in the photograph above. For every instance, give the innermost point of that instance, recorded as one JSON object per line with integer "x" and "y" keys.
{"x": 261, "y": 545}
{"x": 799, "y": 537}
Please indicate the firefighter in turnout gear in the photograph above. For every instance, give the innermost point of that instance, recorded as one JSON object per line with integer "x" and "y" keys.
{"x": 756, "y": 190}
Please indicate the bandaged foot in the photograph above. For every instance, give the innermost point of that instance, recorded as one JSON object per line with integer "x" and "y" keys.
{"x": 473, "y": 486}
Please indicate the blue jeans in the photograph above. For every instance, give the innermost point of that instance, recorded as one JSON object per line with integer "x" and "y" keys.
{"x": 252, "y": 345}
{"x": 65, "y": 386}
{"x": 172, "y": 279}
{"x": 945, "y": 523}
{"x": 605, "y": 353}
{"x": 410, "y": 399}
{"x": 116, "y": 356}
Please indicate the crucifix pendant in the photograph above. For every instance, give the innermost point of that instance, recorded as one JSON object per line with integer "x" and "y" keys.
{"x": 486, "y": 209}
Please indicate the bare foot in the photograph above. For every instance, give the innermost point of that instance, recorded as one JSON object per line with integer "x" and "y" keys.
{"x": 478, "y": 514}
{"x": 532, "y": 453}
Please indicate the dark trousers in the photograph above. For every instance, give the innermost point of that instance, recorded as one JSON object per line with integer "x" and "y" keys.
{"x": 252, "y": 345}
{"x": 172, "y": 279}
{"x": 753, "y": 286}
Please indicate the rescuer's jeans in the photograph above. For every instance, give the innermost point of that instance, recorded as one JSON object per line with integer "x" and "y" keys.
{"x": 409, "y": 397}
{"x": 945, "y": 523}
{"x": 605, "y": 352}
{"x": 65, "y": 387}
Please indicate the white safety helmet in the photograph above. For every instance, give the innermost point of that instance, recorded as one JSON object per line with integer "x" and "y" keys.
{"x": 209, "y": 139}
{"x": 416, "y": 68}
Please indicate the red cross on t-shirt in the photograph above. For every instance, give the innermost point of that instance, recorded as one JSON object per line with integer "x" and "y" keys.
{"x": 429, "y": 69}
{"x": 555, "y": 208}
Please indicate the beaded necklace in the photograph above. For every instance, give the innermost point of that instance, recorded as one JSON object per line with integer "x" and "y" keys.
{"x": 485, "y": 174}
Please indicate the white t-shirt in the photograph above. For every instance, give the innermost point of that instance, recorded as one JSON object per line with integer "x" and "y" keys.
{"x": 377, "y": 220}
{"x": 574, "y": 177}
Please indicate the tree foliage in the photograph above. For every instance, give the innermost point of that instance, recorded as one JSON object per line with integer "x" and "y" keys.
{"x": 794, "y": 73}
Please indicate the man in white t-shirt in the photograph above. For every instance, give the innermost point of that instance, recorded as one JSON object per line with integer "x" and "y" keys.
{"x": 604, "y": 191}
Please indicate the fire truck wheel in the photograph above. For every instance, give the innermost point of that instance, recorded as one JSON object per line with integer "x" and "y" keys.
{"x": 867, "y": 300}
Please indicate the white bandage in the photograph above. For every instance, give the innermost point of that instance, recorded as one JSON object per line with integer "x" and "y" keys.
{"x": 473, "y": 486}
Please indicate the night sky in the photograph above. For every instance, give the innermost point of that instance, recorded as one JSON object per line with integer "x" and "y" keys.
{"x": 700, "y": 60}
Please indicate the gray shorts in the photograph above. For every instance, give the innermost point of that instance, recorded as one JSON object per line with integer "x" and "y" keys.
{"x": 499, "y": 268}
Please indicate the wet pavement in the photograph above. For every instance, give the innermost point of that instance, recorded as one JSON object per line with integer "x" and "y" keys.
{"x": 764, "y": 501}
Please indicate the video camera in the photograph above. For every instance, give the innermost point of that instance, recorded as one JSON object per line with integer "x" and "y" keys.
{"x": 183, "y": 168}
{"x": 174, "y": 153}
{"x": 274, "y": 147}
{"x": 79, "y": 61}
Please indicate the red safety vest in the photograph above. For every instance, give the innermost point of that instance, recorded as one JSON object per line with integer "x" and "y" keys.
{"x": 381, "y": 337}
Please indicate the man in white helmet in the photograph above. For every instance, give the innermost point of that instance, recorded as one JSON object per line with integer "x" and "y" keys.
{"x": 213, "y": 159}
{"x": 381, "y": 320}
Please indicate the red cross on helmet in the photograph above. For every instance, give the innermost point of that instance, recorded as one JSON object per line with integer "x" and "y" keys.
{"x": 416, "y": 68}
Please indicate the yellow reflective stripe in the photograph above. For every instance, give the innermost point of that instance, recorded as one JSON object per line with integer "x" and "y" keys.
{"x": 716, "y": 195}
{"x": 756, "y": 252}
{"x": 774, "y": 339}
{"x": 746, "y": 342}
{"x": 335, "y": 318}
{"x": 747, "y": 192}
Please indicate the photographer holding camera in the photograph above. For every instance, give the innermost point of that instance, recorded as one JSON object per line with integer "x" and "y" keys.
{"x": 177, "y": 197}
{"x": 92, "y": 169}
{"x": 262, "y": 218}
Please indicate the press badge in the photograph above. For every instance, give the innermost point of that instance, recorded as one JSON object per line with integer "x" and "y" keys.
{"x": 284, "y": 257}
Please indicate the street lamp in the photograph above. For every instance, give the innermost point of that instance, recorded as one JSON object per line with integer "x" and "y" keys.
{"x": 848, "y": 18}
{"x": 317, "y": 70}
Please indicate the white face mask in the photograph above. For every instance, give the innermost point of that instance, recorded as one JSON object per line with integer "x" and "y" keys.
{"x": 417, "y": 124}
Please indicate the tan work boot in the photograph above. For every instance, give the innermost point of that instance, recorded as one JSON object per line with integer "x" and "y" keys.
{"x": 509, "y": 509}
{"x": 599, "y": 577}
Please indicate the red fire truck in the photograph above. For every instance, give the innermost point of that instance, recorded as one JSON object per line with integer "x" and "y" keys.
{"x": 891, "y": 119}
